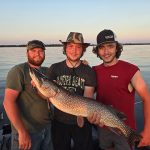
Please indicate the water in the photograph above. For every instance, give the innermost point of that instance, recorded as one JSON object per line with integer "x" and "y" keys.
{"x": 137, "y": 54}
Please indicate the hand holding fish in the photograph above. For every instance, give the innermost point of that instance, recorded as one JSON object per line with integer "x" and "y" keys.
{"x": 145, "y": 140}
{"x": 34, "y": 87}
{"x": 95, "y": 119}
{"x": 33, "y": 84}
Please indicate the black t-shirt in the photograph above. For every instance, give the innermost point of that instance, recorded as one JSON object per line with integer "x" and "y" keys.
{"x": 74, "y": 80}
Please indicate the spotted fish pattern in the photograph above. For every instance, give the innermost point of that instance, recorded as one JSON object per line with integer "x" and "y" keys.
{"x": 81, "y": 106}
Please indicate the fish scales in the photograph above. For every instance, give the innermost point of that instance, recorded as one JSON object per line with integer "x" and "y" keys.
{"x": 81, "y": 106}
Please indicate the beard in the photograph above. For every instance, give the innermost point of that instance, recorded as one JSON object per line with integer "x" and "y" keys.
{"x": 36, "y": 62}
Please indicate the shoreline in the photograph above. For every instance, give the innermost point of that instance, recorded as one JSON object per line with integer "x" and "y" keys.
{"x": 60, "y": 45}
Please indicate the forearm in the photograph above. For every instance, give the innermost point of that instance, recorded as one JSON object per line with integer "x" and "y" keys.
{"x": 146, "y": 108}
{"x": 93, "y": 118}
{"x": 89, "y": 92}
{"x": 13, "y": 114}
{"x": 145, "y": 141}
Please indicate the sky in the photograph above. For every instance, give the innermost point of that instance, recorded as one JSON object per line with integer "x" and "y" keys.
{"x": 52, "y": 20}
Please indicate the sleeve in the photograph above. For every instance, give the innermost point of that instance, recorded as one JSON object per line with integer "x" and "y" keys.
{"x": 51, "y": 73}
{"x": 45, "y": 70}
{"x": 90, "y": 78}
{"x": 15, "y": 79}
{"x": 93, "y": 68}
{"x": 132, "y": 70}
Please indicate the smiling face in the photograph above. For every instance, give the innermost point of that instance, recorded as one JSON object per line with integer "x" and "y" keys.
{"x": 36, "y": 56}
{"x": 107, "y": 52}
{"x": 74, "y": 51}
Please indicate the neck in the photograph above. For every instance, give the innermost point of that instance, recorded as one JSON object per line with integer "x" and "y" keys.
{"x": 33, "y": 66}
{"x": 73, "y": 64}
{"x": 108, "y": 64}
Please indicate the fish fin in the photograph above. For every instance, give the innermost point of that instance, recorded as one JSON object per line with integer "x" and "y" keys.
{"x": 42, "y": 75}
{"x": 38, "y": 73}
{"x": 41, "y": 95}
{"x": 80, "y": 121}
{"x": 116, "y": 131}
{"x": 120, "y": 115}
{"x": 133, "y": 138}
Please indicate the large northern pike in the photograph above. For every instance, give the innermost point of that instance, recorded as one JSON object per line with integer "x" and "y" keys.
{"x": 80, "y": 106}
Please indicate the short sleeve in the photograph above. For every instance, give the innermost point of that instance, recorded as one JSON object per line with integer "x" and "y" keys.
{"x": 90, "y": 78}
{"x": 15, "y": 79}
{"x": 51, "y": 72}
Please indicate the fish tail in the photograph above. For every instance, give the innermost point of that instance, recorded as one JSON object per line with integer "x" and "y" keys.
{"x": 133, "y": 137}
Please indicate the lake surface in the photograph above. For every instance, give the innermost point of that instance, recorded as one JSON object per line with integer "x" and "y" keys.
{"x": 136, "y": 54}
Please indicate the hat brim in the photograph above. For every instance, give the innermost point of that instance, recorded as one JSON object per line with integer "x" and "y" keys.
{"x": 84, "y": 44}
{"x": 106, "y": 42}
{"x": 35, "y": 46}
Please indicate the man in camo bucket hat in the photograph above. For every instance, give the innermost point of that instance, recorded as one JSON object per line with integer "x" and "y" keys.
{"x": 77, "y": 78}
{"x": 76, "y": 38}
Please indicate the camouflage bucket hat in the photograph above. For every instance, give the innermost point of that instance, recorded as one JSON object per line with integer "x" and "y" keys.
{"x": 75, "y": 37}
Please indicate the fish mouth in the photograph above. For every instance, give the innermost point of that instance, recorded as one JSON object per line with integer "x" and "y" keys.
{"x": 37, "y": 73}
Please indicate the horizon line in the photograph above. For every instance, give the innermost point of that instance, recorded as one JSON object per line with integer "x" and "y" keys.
{"x": 60, "y": 45}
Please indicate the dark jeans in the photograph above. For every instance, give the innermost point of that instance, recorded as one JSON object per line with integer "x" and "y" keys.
{"x": 108, "y": 139}
{"x": 67, "y": 137}
{"x": 40, "y": 140}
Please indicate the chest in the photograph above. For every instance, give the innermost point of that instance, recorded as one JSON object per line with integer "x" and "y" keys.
{"x": 113, "y": 79}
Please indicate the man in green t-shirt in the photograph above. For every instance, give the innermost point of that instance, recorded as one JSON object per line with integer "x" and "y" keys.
{"x": 29, "y": 114}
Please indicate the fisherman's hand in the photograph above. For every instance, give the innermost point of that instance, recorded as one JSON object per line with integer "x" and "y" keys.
{"x": 145, "y": 141}
{"x": 95, "y": 119}
{"x": 24, "y": 140}
{"x": 85, "y": 62}
{"x": 32, "y": 83}
{"x": 40, "y": 94}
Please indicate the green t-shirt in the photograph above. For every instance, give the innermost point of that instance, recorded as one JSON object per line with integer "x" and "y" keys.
{"x": 33, "y": 109}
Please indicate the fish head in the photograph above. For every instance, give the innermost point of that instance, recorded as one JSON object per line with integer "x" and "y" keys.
{"x": 42, "y": 84}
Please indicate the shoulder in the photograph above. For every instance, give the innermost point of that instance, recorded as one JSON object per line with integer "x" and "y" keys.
{"x": 44, "y": 70}
{"x": 97, "y": 67}
{"x": 58, "y": 64}
{"x": 54, "y": 69}
{"x": 16, "y": 76}
{"x": 128, "y": 65}
{"x": 18, "y": 68}
{"x": 88, "y": 74}
{"x": 86, "y": 68}
{"x": 87, "y": 71}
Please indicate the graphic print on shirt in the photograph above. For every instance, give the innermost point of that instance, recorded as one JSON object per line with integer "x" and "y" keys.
{"x": 71, "y": 83}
